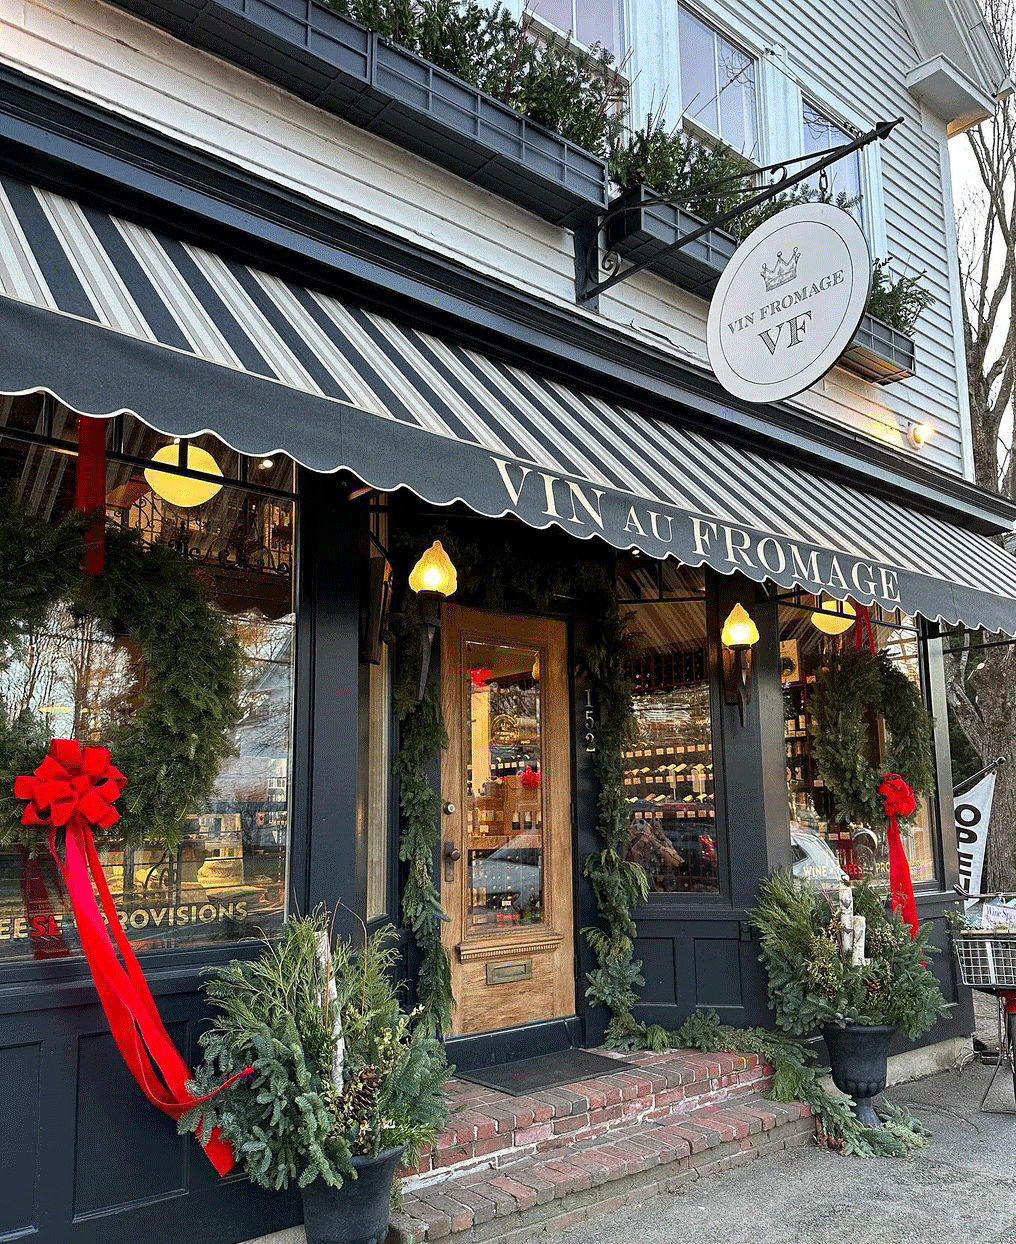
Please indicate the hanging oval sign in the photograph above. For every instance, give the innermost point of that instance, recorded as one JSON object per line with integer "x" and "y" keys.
{"x": 789, "y": 302}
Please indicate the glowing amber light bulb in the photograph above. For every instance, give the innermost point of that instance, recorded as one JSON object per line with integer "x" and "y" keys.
{"x": 181, "y": 490}
{"x": 739, "y": 631}
{"x": 830, "y": 620}
{"x": 434, "y": 574}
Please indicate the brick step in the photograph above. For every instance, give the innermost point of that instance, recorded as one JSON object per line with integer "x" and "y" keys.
{"x": 552, "y": 1189}
{"x": 486, "y": 1126}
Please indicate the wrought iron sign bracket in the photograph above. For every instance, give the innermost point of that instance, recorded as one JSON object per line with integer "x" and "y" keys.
{"x": 587, "y": 240}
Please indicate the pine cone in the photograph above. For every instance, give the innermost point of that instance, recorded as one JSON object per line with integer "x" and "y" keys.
{"x": 360, "y": 1096}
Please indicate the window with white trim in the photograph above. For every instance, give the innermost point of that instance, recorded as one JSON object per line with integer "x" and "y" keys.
{"x": 821, "y": 132}
{"x": 719, "y": 84}
{"x": 586, "y": 21}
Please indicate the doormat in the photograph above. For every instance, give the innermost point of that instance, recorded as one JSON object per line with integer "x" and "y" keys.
{"x": 529, "y": 1075}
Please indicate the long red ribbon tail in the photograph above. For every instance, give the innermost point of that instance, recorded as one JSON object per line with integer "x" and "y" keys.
{"x": 134, "y": 1021}
{"x": 901, "y": 887}
{"x": 90, "y": 489}
{"x": 863, "y": 633}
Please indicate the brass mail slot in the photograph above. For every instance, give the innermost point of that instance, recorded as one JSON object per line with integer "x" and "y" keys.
{"x": 505, "y": 973}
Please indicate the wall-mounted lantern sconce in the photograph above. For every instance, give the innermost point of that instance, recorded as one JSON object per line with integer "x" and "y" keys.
{"x": 833, "y": 617}
{"x": 738, "y": 636}
{"x": 919, "y": 434}
{"x": 433, "y": 579}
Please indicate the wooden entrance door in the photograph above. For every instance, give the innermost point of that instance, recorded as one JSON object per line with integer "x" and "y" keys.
{"x": 506, "y": 858}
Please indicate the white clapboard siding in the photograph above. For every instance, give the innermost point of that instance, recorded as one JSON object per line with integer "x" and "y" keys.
{"x": 100, "y": 53}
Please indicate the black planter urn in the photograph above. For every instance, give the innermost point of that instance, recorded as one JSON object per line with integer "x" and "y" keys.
{"x": 858, "y": 1056}
{"x": 356, "y": 1213}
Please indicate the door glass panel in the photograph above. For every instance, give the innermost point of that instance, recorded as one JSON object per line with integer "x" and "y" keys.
{"x": 504, "y": 787}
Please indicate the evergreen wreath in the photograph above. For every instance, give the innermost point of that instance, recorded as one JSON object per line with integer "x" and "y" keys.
{"x": 852, "y": 687}
{"x": 173, "y": 745}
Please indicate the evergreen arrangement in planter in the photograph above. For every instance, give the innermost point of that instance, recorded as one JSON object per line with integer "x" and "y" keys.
{"x": 814, "y": 982}
{"x": 344, "y": 1085}
{"x": 846, "y": 967}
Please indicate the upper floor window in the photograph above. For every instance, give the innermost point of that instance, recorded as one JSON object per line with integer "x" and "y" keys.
{"x": 718, "y": 84}
{"x": 820, "y": 133}
{"x": 587, "y": 21}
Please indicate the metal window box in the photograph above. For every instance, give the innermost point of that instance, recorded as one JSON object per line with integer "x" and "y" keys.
{"x": 879, "y": 353}
{"x": 638, "y": 233}
{"x": 310, "y": 50}
{"x": 483, "y": 140}
{"x": 298, "y": 44}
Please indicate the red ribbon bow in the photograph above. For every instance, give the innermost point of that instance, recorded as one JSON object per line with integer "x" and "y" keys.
{"x": 74, "y": 789}
{"x": 899, "y": 800}
{"x": 72, "y": 781}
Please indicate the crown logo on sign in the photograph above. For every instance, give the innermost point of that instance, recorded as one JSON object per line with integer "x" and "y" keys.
{"x": 782, "y": 272}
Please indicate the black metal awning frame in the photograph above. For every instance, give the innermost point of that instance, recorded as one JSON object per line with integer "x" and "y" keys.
{"x": 587, "y": 241}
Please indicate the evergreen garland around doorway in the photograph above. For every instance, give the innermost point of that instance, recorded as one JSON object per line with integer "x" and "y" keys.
{"x": 506, "y": 577}
{"x": 172, "y": 744}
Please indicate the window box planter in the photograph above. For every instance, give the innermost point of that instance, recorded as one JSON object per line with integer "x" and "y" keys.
{"x": 639, "y": 233}
{"x": 298, "y": 44}
{"x": 481, "y": 139}
{"x": 310, "y": 50}
{"x": 879, "y": 352}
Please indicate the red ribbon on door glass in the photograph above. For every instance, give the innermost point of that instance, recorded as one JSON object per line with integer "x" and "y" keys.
{"x": 74, "y": 789}
{"x": 90, "y": 489}
{"x": 899, "y": 801}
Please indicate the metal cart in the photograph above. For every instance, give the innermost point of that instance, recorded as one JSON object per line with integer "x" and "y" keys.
{"x": 986, "y": 960}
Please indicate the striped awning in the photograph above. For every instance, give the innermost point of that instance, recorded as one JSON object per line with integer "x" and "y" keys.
{"x": 112, "y": 317}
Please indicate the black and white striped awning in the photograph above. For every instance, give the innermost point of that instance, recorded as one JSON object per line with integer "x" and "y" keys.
{"x": 112, "y": 317}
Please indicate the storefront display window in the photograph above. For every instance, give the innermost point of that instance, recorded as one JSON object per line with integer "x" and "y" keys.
{"x": 668, "y": 768}
{"x": 73, "y": 677}
{"x": 823, "y": 848}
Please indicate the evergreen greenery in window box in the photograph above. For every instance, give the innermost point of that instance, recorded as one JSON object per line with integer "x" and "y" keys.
{"x": 484, "y": 140}
{"x": 343, "y": 1082}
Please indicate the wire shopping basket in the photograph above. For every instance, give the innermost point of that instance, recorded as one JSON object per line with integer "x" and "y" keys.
{"x": 986, "y": 959}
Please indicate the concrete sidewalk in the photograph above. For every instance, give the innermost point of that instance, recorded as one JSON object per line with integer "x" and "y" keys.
{"x": 962, "y": 1188}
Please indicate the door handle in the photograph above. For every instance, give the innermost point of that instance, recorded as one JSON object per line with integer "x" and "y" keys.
{"x": 451, "y": 854}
